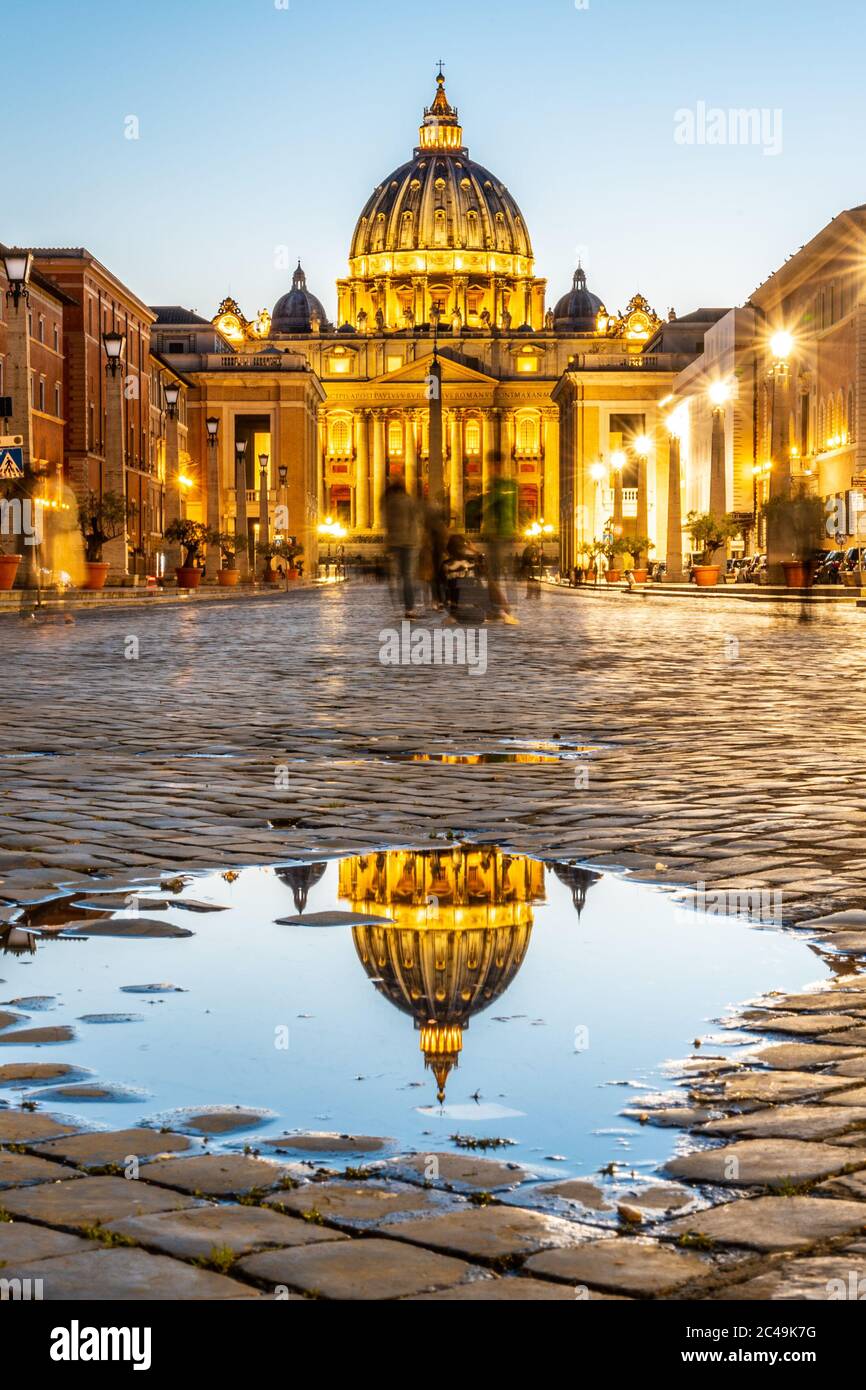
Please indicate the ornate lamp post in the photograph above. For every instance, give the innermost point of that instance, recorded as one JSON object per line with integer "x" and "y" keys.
{"x": 18, "y": 265}
{"x": 617, "y": 463}
{"x": 264, "y": 522}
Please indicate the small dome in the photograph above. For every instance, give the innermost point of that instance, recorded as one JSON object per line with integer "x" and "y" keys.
{"x": 578, "y": 311}
{"x": 296, "y": 310}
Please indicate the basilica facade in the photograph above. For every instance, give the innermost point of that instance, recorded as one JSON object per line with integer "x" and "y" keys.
{"x": 440, "y": 261}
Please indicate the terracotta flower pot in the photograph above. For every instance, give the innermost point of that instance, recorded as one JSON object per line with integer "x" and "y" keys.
{"x": 293, "y": 573}
{"x": 613, "y": 576}
{"x": 188, "y": 577}
{"x": 796, "y": 574}
{"x": 95, "y": 574}
{"x": 8, "y": 570}
{"x": 706, "y": 576}
{"x": 640, "y": 576}
{"x": 271, "y": 576}
{"x": 228, "y": 578}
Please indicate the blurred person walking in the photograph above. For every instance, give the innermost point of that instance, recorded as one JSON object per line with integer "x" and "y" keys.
{"x": 499, "y": 527}
{"x": 401, "y": 528}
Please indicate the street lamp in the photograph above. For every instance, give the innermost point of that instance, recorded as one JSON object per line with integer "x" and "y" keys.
{"x": 241, "y": 450}
{"x": 284, "y": 475}
{"x": 114, "y": 344}
{"x": 212, "y": 425}
{"x": 643, "y": 446}
{"x": 171, "y": 391}
{"x": 782, "y": 345}
{"x": 719, "y": 393}
{"x": 18, "y": 265}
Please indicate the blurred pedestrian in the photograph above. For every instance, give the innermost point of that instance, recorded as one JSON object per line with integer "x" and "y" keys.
{"x": 401, "y": 527}
{"x": 499, "y": 527}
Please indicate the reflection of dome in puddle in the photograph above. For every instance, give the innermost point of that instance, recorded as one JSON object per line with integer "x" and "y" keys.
{"x": 578, "y": 880}
{"x": 462, "y": 928}
{"x": 301, "y": 878}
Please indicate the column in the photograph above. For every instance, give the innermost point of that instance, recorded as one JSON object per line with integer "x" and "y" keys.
{"x": 674, "y": 551}
{"x": 718, "y": 501}
{"x": 114, "y": 471}
{"x": 550, "y": 444}
{"x": 321, "y": 461}
{"x": 378, "y": 466}
{"x": 362, "y": 473}
{"x": 173, "y": 510}
{"x": 456, "y": 478}
{"x": 487, "y": 433}
{"x": 435, "y": 458}
{"x": 411, "y": 454}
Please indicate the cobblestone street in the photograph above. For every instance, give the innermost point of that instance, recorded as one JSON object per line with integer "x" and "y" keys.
{"x": 723, "y": 747}
{"x": 729, "y": 743}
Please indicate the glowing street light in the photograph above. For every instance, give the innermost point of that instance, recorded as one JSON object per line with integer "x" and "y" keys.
{"x": 719, "y": 393}
{"x": 782, "y": 345}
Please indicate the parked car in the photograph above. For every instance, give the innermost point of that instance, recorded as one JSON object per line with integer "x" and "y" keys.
{"x": 658, "y": 570}
{"x": 753, "y": 569}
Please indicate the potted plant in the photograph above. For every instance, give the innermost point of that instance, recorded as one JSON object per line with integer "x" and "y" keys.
{"x": 799, "y": 518}
{"x": 709, "y": 534}
{"x": 191, "y": 537}
{"x": 101, "y": 519}
{"x": 279, "y": 549}
{"x": 8, "y": 570}
{"x": 611, "y": 547}
{"x": 231, "y": 545}
{"x": 639, "y": 546}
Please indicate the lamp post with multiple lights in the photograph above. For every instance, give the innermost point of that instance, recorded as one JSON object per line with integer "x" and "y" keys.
{"x": 719, "y": 394}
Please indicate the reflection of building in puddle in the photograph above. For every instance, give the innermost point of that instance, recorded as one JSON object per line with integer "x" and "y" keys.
{"x": 17, "y": 939}
{"x": 578, "y": 880}
{"x": 463, "y": 919}
{"x": 301, "y": 878}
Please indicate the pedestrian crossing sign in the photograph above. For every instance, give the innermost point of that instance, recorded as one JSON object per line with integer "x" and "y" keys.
{"x": 11, "y": 463}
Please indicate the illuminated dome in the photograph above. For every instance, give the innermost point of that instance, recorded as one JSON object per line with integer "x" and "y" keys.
{"x": 578, "y": 311}
{"x": 295, "y": 312}
{"x": 462, "y": 929}
{"x": 441, "y": 201}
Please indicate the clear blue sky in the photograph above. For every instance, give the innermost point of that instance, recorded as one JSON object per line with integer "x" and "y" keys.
{"x": 262, "y": 126}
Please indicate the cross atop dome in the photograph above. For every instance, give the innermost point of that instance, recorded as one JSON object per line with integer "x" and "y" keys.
{"x": 441, "y": 129}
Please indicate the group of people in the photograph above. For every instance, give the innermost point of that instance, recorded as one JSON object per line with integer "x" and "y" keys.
{"x": 465, "y": 581}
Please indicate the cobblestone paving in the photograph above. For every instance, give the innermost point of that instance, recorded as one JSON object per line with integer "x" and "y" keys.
{"x": 729, "y": 749}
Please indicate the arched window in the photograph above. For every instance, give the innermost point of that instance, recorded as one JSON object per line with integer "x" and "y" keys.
{"x": 472, "y": 232}
{"x": 341, "y": 437}
{"x": 406, "y": 229}
{"x": 395, "y": 437}
{"x": 440, "y": 228}
{"x": 527, "y": 435}
{"x": 852, "y": 430}
{"x": 473, "y": 437}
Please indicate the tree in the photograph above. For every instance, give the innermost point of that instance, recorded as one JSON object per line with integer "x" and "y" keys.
{"x": 799, "y": 517}
{"x": 231, "y": 545}
{"x": 102, "y": 519}
{"x": 191, "y": 536}
{"x": 709, "y": 532}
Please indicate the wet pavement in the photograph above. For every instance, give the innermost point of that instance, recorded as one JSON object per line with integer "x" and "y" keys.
{"x": 720, "y": 753}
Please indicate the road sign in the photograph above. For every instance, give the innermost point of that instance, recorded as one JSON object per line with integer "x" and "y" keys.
{"x": 11, "y": 441}
{"x": 11, "y": 462}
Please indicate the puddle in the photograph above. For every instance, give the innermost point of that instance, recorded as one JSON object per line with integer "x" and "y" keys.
{"x": 517, "y": 751}
{"x": 506, "y": 999}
